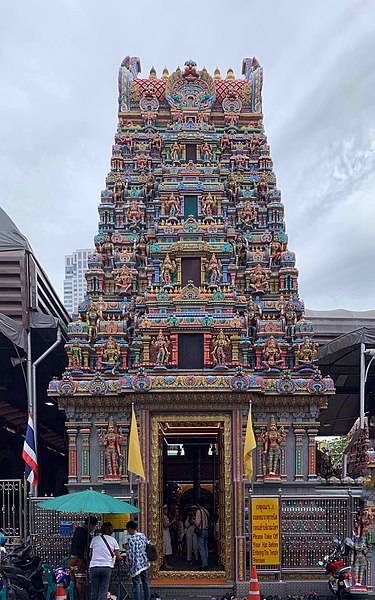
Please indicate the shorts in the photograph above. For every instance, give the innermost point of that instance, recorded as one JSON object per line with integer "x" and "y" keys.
{"x": 77, "y": 569}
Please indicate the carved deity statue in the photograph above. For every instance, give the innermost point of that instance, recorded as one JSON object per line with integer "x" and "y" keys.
{"x": 111, "y": 354}
{"x": 140, "y": 251}
{"x": 272, "y": 440}
{"x": 254, "y": 144}
{"x": 208, "y": 204}
{"x": 124, "y": 278}
{"x": 241, "y": 250}
{"x": 214, "y": 269}
{"x": 175, "y": 152}
{"x": 108, "y": 252}
{"x": 258, "y": 279}
{"x": 220, "y": 343}
{"x": 75, "y": 355}
{"x": 275, "y": 250}
{"x": 150, "y": 185}
{"x": 224, "y": 142}
{"x": 156, "y": 142}
{"x": 360, "y": 551}
{"x": 172, "y": 205}
{"x": 112, "y": 441}
{"x": 92, "y": 316}
{"x": 206, "y": 152}
{"x": 248, "y": 215}
{"x": 253, "y": 314}
{"x": 119, "y": 190}
{"x": 133, "y": 212}
{"x": 306, "y": 352}
{"x": 271, "y": 353}
{"x": 128, "y": 314}
{"x": 262, "y": 187}
{"x": 290, "y": 319}
{"x": 168, "y": 268}
{"x": 161, "y": 343}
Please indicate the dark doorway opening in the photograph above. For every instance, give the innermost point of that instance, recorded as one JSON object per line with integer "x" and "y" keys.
{"x": 190, "y": 351}
{"x": 191, "y": 152}
{"x": 191, "y": 206}
{"x": 191, "y": 271}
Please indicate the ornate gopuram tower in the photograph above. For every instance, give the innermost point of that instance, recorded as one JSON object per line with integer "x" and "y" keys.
{"x": 192, "y": 312}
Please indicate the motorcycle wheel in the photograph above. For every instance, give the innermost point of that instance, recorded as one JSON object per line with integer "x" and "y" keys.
{"x": 17, "y": 593}
{"x": 335, "y": 593}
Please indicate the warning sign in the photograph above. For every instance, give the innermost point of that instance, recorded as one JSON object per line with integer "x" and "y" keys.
{"x": 265, "y": 529}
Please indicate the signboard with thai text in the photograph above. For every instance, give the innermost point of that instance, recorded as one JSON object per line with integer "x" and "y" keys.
{"x": 265, "y": 529}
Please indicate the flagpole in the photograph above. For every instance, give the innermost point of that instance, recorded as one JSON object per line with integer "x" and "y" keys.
{"x": 131, "y": 474}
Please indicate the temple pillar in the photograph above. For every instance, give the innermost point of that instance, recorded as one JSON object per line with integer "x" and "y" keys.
{"x": 72, "y": 445}
{"x": 174, "y": 353}
{"x": 312, "y": 433}
{"x": 260, "y": 473}
{"x": 85, "y": 432}
{"x": 235, "y": 339}
{"x": 283, "y": 473}
{"x": 207, "y": 348}
{"x": 299, "y": 433}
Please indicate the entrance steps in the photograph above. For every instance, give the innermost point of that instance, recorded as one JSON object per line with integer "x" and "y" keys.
{"x": 181, "y": 591}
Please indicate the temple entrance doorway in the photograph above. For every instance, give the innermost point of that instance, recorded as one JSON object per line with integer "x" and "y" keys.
{"x": 193, "y": 474}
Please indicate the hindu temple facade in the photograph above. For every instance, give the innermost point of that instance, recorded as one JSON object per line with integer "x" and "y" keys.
{"x": 192, "y": 312}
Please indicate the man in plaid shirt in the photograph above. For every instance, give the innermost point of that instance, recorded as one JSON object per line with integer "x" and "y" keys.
{"x": 138, "y": 561}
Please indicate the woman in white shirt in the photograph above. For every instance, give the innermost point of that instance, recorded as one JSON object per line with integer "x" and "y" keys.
{"x": 104, "y": 550}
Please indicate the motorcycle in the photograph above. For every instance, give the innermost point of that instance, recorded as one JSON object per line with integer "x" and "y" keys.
{"x": 22, "y": 573}
{"x": 334, "y": 565}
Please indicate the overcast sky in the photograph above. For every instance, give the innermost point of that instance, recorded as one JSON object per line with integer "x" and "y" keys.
{"x": 58, "y": 103}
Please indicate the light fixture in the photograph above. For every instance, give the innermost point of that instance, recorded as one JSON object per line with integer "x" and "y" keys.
{"x": 49, "y": 403}
{"x": 370, "y": 352}
{"x": 15, "y": 360}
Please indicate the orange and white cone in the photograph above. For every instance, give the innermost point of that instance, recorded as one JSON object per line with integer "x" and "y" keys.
{"x": 60, "y": 592}
{"x": 254, "y": 586}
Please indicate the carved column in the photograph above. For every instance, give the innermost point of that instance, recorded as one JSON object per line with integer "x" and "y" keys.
{"x": 72, "y": 441}
{"x": 260, "y": 447}
{"x": 312, "y": 433}
{"x": 85, "y": 437}
{"x": 101, "y": 447}
{"x": 174, "y": 349}
{"x": 235, "y": 339}
{"x": 283, "y": 473}
{"x": 207, "y": 345}
{"x": 124, "y": 427}
{"x": 146, "y": 349}
{"x": 299, "y": 433}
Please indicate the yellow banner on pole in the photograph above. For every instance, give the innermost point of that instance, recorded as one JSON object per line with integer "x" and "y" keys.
{"x": 265, "y": 531}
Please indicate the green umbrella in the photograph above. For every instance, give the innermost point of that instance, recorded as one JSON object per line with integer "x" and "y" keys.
{"x": 88, "y": 501}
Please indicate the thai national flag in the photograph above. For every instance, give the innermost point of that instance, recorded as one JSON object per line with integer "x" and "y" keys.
{"x": 29, "y": 454}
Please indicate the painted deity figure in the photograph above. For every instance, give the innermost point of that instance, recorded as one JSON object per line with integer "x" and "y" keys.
{"x": 241, "y": 250}
{"x": 361, "y": 549}
{"x": 220, "y": 343}
{"x": 275, "y": 250}
{"x": 172, "y": 206}
{"x": 168, "y": 268}
{"x": 208, "y": 204}
{"x": 206, "y": 152}
{"x": 254, "y": 144}
{"x": 133, "y": 212}
{"x": 111, "y": 354}
{"x": 272, "y": 440}
{"x": 92, "y": 316}
{"x": 112, "y": 441}
{"x": 258, "y": 279}
{"x": 108, "y": 252}
{"x": 156, "y": 142}
{"x": 214, "y": 270}
{"x": 118, "y": 190}
{"x": 224, "y": 142}
{"x": 161, "y": 343}
{"x": 140, "y": 251}
{"x": 124, "y": 278}
{"x": 271, "y": 353}
{"x": 290, "y": 318}
{"x": 129, "y": 319}
{"x": 75, "y": 355}
{"x": 253, "y": 314}
{"x": 248, "y": 215}
{"x": 175, "y": 152}
{"x": 306, "y": 352}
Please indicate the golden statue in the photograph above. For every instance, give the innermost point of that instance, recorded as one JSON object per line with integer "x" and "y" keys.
{"x": 306, "y": 352}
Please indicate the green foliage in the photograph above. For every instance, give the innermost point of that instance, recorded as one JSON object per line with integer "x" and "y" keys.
{"x": 335, "y": 449}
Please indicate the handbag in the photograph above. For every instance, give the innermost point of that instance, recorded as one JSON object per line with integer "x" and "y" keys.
{"x": 151, "y": 551}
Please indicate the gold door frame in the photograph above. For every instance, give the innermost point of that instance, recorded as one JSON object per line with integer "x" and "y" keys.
{"x": 155, "y": 514}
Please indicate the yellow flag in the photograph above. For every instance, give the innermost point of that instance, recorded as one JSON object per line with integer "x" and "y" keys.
{"x": 249, "y": 446}
{"x": 134, "y": 457}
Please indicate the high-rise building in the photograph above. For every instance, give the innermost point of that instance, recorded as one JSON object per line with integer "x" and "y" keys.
{"x": 74, "y": 281}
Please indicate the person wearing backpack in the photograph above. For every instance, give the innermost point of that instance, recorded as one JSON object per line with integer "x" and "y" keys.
{"x": 104, "y": 550}
{"x": 138, "y": 561}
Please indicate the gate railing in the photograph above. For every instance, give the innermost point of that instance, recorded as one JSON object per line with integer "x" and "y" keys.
{"x": 12, "y": 510}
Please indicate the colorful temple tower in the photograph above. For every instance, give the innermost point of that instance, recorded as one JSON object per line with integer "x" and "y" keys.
{"x": 192, "y": 312}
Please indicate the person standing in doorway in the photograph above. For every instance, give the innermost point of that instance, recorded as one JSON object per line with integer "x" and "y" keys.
{"x": 104, "y": 550}
{"x": 202, "y": 521}
{"x": 138, "y": 561}
{"x": 167, "y": 544}
{"x": 77, "y": 563}
{"x": 191, "y": 538}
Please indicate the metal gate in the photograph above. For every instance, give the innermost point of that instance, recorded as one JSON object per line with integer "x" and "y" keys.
{"x": 12, "y": 513}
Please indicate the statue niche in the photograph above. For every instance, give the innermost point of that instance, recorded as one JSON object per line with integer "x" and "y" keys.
{"x": 114, "y": 460}
{"x": 272, "y": 439}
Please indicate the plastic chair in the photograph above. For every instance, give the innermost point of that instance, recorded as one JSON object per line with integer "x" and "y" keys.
{"x": 65, "y": 561}
{"x": 71, "y": 589}
{"x": 4, "y": 594}
{"x": 49, "y": 575}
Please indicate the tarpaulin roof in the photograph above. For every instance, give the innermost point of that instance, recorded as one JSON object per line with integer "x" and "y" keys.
{"x": 10, "y": 236}
{"x": 17, "y": 334}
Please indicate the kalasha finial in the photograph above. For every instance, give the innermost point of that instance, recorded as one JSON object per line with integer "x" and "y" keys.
{"x": 230, "y": 74}
{"x": 152, "y": 73}
{"x": 217, "y": 74}
{"x": 165, "y": 73}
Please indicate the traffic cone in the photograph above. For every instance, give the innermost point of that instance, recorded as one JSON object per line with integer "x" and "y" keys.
{"x": 60, "y": 592}
{"x": 254, "y": 586}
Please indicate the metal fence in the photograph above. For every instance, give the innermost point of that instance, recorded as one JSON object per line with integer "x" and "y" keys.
{"x": 307, "y": 527}
{"x": 12, "y": 510}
